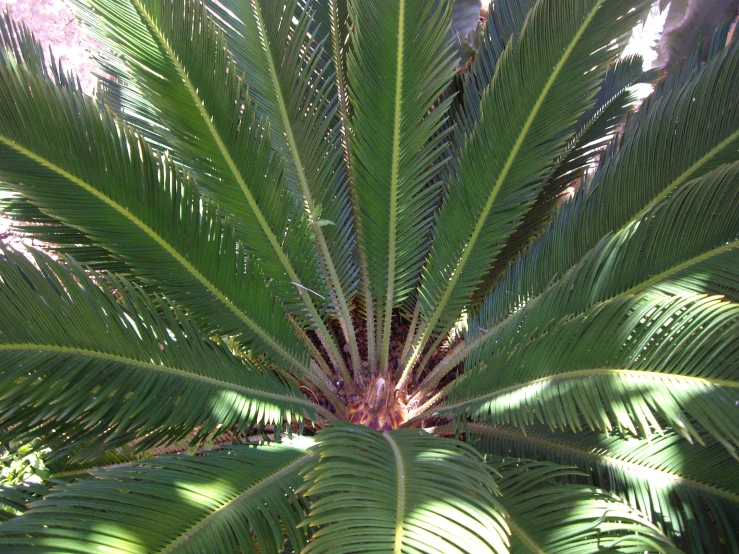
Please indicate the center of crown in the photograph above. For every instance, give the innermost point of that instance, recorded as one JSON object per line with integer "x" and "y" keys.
{"x": 378, "y": 406}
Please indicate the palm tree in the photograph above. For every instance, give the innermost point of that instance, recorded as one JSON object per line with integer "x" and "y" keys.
{"x": 417, "y": 310}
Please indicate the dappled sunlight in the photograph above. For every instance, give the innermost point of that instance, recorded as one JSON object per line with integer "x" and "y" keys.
{"x": 448, "y": 523}
{"x": 228, "y": 405}
{"x": 311, "y": 217}
{"x": 675, "y": 484}
{"x": 608, "y": 399}
{"x": 112, "y": 537}
{"x": 207, "y": 495}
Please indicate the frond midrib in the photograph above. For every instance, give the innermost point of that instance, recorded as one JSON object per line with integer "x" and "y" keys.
{"x": 341, "y": 89}
{"x": 456, "y": 274}
{"x": 160, "y": 368}
{"x": 466, "y": 348}
{"x": 594, "y": 372}
{"x": 254, "y": 206}
{"x": 683, "y": 177}
{"x": 307, "y": 196}
{"x": 400, "y": 494}
{"x": 524, "y": 537}
{"x": 234, "y": 501}
{"x": 394, "y": 171}
{"x": 669, "y": 272}
{"x": 250, "y": 323}
{"x": 630, "y": 466}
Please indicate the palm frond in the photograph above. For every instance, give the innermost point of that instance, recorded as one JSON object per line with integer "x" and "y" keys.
{"x": 505, "y": 19}
{"x": 78, "y": 365}
{"x": 237, "y": 499}
{"x": 691, "y": 492}
{"x": 399, "y": 63}
{"x": 547, "y": 514}
{"x": 97, "y": 176}
{"x": 15, "y": 499}
{"x": 686, "y": 243}
{"x": 306, "y": 97}
{"x": 519, "y": 134}
{"x": 72, "y": 467}
{"x": 241, "y": 28}
{"x": 27, "y": 220}
{"x": 217, "y": 132}
{"x": 593, "y": 131}
{"x": 117, "y": 88}
{"x": 635, "y": 363}
{"x": 689, "y": 127}
{"x": 284, "y": 50}
{"x": 402, "y": 491}
{"x": 340, "y": 40}
{"x": 20, "y": 49}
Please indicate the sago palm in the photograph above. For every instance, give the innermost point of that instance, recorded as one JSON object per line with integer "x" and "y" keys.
{"x": 312, "y": 287}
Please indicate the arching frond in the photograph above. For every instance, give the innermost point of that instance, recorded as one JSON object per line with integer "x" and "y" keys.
{"x": 305, "y": 96}
{"x": 79, "y": 366}
{"x": 399, "y": 63}
{"x": 632, "y": 363}
{"x": 15, "y": 499}
{"x": 242, "y": 30}
{"x": 505, "y": 19}
{"x": 685, "y": 244}
{"x": 237, "y": 499}
{"x": 95, "y": 175}
{"x": 20, "y": 49}
{"x": 690, "y": 491}
{"x": 688, "y": 128}
{"x": 544, "y": 82}
{"x": 166, "y": 45}
{"x": 283, "y": 48}
{"x": 403, "y": 491}
{"x": 549, "y": 515}
{"x": 243, "y": 219}
{"x": 593, "y": 132}
{"x": 688, "y": 243}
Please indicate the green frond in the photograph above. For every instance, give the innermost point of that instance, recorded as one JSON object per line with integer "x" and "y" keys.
{"x": 241, "y": 29}
{"x": 80, "y": 365}
{"x": 599, "y": 124}
{"x": 690, "y": 491}
{"x": 285, "y": 51}
{"x": 544, "y": 82}
{"x": 550, "y": 515}
{"x": 174, "y": 50}
{"x": 685, "y": 244}
{"x": 72, "y": 468}
{"x": 505, "y": 20}
{"x": 20, "y": 50}
{"x": 595, "y": 126}
{"x": 399, "y": 64}
{"x": 635, "y": 363}
{"x": 689, "y": 127}
{"x": 237, "y": 499}
{"x": 593, "y": 131}
{"x": 242, "y": 220}
{"x": 688, "y": 243}
{"x": 304, "y": 91}
{"x": 15, "y": 499}
{"x": 116, "y": 83}
{"x": 340, "y": 40}
{"x": 95, "y": 175}
{"x": 404, "y": 491}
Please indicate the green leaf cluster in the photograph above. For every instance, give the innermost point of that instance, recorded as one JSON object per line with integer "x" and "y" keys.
{"x": 278, "y": 219}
